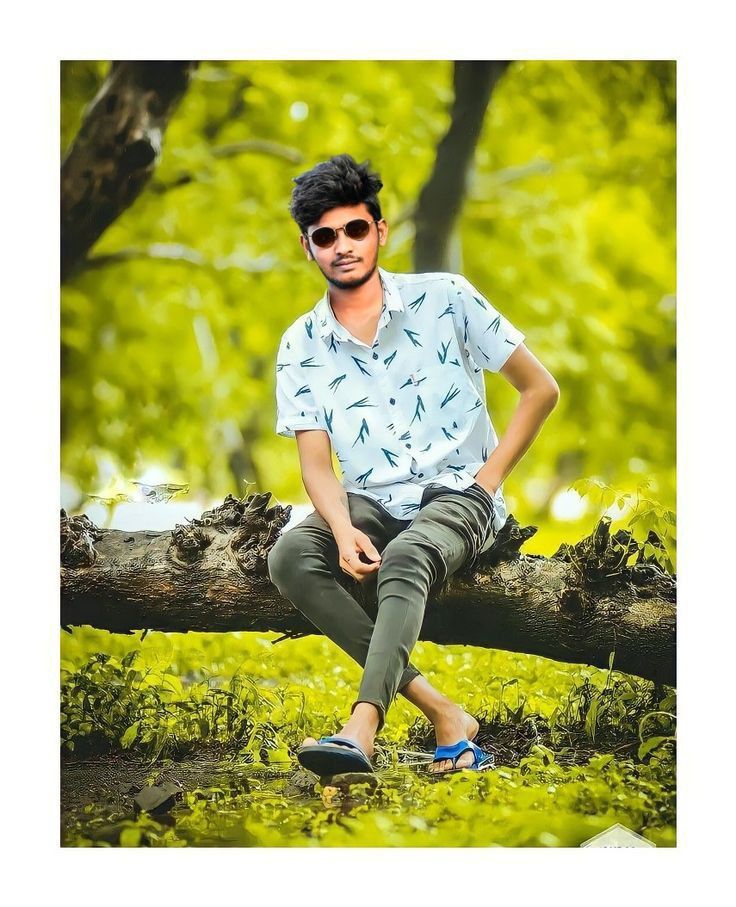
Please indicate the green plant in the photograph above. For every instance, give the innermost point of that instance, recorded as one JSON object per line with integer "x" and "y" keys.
{"x": 651, "y": 524}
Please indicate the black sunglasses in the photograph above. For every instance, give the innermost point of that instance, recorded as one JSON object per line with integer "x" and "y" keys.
{"x": 324, "y": 237}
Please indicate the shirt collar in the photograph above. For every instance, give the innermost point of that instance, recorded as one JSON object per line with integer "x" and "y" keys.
{"x": 328, "y": 324}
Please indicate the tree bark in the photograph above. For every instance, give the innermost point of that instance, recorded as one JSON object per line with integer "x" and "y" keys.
{"x": 211, "y": 574}
{"x": 441, "y": 199}
{"x": 116, "y": 150}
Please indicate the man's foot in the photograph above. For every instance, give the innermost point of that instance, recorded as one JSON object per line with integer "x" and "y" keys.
{"x": 450, "y": 725}
{"x": 353, "y": 731}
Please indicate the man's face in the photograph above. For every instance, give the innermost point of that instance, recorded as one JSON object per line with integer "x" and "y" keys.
{"x": 348, "y": 263}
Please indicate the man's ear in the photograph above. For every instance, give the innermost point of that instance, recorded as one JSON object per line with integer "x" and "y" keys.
{"x": 305, "y": 245}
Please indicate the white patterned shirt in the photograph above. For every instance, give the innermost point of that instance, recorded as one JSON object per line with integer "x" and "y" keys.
{"x": 409, "y": 409}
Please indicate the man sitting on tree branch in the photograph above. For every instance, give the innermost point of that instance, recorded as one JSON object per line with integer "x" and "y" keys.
{"x": 387, "y": 371}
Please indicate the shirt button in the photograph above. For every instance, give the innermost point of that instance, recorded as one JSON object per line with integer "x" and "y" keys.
{"x": 392, "y": 401}
{"x": 375, "y": 355}
{"x": 408, "y": 445}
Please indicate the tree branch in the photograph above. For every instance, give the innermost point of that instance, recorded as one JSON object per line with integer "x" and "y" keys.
{"x": 250, "y": 146}
{"x": 441, "y": 199}
{"x": 211, "y": 574}
{"x": 116, "y": 149}
{"x": 178, "y": 253}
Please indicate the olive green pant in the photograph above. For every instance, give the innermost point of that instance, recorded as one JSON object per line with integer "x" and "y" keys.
{"x": 448, "y": 531}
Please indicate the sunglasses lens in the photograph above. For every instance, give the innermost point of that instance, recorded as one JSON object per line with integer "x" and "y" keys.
{"x": 324, "y": 237}
{"x": 357, "y": 229}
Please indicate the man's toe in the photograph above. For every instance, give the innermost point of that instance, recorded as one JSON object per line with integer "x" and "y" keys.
{"x": 463, "y": 761}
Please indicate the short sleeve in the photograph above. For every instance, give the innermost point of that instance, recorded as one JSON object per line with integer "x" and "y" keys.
{"x": 295, "y": 405}
{"x": 487, "y": 334}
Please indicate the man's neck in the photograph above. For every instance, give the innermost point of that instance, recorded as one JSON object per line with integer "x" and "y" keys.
{"x": 356, "y": 300}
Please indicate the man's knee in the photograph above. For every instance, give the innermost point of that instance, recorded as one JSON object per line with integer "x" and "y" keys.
{"x": 417, "y": 553}
{"x": 410, "y": 550}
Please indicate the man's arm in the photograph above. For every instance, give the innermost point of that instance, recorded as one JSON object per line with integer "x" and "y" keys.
{"x": 331, "y": 502}
{"x": 538, "y": 395}
{"x": 324, "y": 490}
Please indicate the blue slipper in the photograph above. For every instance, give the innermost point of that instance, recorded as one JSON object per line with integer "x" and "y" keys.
{"x": 325, "y": 760}
{"x": 481, "y": 759}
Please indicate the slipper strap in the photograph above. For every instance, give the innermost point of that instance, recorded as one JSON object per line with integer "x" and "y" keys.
{"x": 457, "y": 749}
{"x": 452, "y": 751}
{"x": 481, "y": 756}
{"x": 337, "y": 739}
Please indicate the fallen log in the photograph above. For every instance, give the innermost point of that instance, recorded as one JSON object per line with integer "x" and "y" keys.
{"x": 210, "y": 574}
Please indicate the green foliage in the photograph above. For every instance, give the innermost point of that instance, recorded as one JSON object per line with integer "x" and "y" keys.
{"x": 650, "y": 523}
{"x": 158, "y": 718}
{"x": 578, "y": 749}
{"x": 568, "y": 226}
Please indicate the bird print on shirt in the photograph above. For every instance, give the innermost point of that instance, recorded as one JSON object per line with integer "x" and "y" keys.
{"x": 419, "y": 409}
{"x": 363, "y": 433}
{"x": 409, "y": 408}
{"x": 391, "y": 456}
{"x": 360, "y": 364}
{"x": 328, "y": 419}
{"x": 417, "y": 303}
{"x": 361, "y": 402}
{"x": 450, "y": 395}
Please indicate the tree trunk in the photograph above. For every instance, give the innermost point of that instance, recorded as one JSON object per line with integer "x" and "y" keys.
{"x": 211, "y": 574}
{"x": 441, "y": 199}
{"x": 116, "y": 150}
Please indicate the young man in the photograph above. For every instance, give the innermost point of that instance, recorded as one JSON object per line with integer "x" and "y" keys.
{"x": 387, "y": 371}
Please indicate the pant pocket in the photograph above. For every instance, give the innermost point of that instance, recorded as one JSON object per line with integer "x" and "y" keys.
{"x": 431, "y": 491}
{"x": 485, "y": 529}
{"x": 480, "y": 492}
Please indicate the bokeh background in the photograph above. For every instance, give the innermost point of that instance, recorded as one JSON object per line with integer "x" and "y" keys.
{"x": 567, "y": 223}
{"x": 170, "y": 324}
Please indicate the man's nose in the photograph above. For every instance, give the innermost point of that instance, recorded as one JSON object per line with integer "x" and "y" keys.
{"x": 344, "y": 244}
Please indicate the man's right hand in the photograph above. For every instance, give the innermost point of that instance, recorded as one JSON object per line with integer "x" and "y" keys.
{"x": 350, "y": 546}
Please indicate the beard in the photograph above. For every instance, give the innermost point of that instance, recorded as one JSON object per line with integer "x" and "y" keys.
{"x": 350, "y": 283}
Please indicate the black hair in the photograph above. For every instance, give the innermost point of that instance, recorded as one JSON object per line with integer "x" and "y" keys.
{"x": 331, "y": 184}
